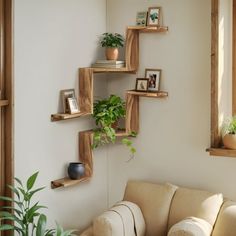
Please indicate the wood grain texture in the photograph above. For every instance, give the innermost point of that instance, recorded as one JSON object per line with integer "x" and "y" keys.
{"x": 215, "y": 133}
{"x": 85, "y": 151}
{"x": 234, "y": 61}
{"x": 132, "y": 50}
{"x": 146, "y": 29}
{"x": 159, "y": 94}
{"x": 221, "y": 152}
{"x": 132, "y": 113}
{"x": 86, "y": 90}
{"x": 67, "y": 182}
{"x": 66, "y": 116}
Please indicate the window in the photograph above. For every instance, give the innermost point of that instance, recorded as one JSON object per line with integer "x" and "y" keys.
{"x": 223, "y": 71}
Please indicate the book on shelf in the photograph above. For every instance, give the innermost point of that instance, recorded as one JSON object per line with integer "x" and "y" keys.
{"x": 108, "y": 65}
{"x": 109, "y": 62}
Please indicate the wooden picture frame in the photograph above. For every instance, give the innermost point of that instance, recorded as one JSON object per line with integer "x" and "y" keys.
{"x": 141, "y": 18}
{"x": 65, "y": 94}
{"x": 73, "y": 105}
{"x": 154, "y": 78}
{"x": 154, "y": 16}
{"x": 141, "y": 84}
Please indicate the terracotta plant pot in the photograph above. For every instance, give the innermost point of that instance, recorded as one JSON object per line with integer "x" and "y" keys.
{"x": 112, "y": 53}
{"x": 229, "y": 141}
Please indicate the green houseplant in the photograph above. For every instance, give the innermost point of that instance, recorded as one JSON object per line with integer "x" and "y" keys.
{"x": 106, "y": 113}
{"x": 229, "y": 133}
{"x": 24, "y": 216}
{"x": 112, "y": 42}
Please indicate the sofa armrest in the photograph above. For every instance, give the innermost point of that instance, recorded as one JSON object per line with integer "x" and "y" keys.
{"x": 125, "y": 218}
{"x": 87, "y": 232}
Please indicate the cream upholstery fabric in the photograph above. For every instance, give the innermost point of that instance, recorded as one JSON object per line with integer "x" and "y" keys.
{"x": 154, "y": 201}
{"x": 124, "y": 219}
{"x": 191, "y": 226}
{"x": 88, "y": 232}
{"x": 226, "y": 221}
{"x": 196, "y": 203}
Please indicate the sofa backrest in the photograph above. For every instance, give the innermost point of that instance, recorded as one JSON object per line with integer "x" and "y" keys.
{"x": 154, "y": 201}
{"x": 194, "y": 203}
{"x": 226, "y": 220}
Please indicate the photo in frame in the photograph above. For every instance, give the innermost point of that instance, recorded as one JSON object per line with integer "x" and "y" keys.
{"x": 73, "y": 105}
{"x": 65, "y": 94}
{"x": 141, "y": 18}
{"x": 154, "y": 14}
{"x": 142, "y": 84}
{"x": 154, "y": 77}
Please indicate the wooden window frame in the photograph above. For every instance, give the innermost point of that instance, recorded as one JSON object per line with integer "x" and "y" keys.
{"x": 216, "y": 143}
{"x": 6, "y": 97}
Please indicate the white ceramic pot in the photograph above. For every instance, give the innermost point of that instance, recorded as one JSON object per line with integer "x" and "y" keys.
{"x": 229, "y": 141}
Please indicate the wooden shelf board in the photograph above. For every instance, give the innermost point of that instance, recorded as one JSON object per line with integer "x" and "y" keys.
{"x": 64, "y": 116}
{"x": 66, "y": 182}
{"x": 111, "y": 70}
{"x": 121, "y": 133}
{"x": 146, "y": 29}
{"x": 4, "y": 103}
{"x": 159, "y": 94}
{"x": 221, "y": 152}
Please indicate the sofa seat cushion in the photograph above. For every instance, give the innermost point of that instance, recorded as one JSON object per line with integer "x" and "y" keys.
{"x": 123, "y": 219}
{"x": 194, "y": 203}
{"x": 154, "y": 201}
{"x": 191, "y": 226}
{"x": 226, "y": 221}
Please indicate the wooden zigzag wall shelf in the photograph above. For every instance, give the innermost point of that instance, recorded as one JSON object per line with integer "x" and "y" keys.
{"x": 86, "y": 76}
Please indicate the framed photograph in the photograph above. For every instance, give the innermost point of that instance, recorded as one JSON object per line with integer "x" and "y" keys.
{"x": 154, "y": 16}
{"x": 65, "y": 94}
{"x": 73, "y": 105}
{"x": 141, "y": 84}
{"x": 141, "y": 18}
{"x": 154, "y": 76}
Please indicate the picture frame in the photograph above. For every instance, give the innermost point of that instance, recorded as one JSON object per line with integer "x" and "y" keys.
{"x": 142, "y": 84}
{"x": 154, "y": 15}
{"x": 154, "y": 77}
{"x": 73, "y": 105}
{"x": 65, "y": 94}
{"x": 141, "y": 18}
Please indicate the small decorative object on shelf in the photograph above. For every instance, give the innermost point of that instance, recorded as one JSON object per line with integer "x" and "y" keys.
{"x": 229, "y": 133}
{"x": 142, "y": 84}
{"x": 154, "y": 15}
{"x": 65, "y": 94}
{"x": 109, "y": 64}
{"x": 76, "y": 170}
{"x": 111, "y": 42}
{"x": 154, "y": 76}
{"x": 141, "y": 18}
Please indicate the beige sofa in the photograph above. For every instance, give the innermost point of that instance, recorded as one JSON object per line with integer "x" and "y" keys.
{"x": 163, "y": 209}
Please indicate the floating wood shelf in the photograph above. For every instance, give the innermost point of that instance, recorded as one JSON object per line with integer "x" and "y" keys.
{"x": 146, "y": 29}
{"x": 221, "y": 152}
{"x": 67, "y": 182}
{"x": 4, "y": 103}
{"x": 63, "y": 116}
{"x": 86, "y": 77}
{"x": 159, "y": 94}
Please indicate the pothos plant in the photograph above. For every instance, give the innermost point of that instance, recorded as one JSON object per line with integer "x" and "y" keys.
{"x": 106, "y": 113}
{"x": 24, "y": 216}
{"x": 112, "y": 40}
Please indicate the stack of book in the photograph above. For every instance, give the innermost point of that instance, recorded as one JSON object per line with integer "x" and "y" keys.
{"x": 109, "y": 64}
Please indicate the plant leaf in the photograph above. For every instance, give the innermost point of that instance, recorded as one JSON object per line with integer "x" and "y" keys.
{"x": 41, "y": 225}
{"x": 31, "y": 180}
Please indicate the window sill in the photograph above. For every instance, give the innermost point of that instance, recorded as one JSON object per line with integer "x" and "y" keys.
{"x": 221, "y": 152}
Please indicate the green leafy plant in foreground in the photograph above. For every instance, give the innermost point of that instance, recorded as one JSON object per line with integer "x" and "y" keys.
{"x": 106, "y": 112}
{"x": 24, "y": 216}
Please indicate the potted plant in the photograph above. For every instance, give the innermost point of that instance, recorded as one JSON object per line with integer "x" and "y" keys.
{"x": 229, "y": 133}
{"x": 111, "y": 42}
{"x": 24, "y": 216}
{"x": 107, "y": 113}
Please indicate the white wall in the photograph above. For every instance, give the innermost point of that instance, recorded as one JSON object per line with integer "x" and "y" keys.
{"x": 174, "y": 132}
{"x": 52, "y": 40}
